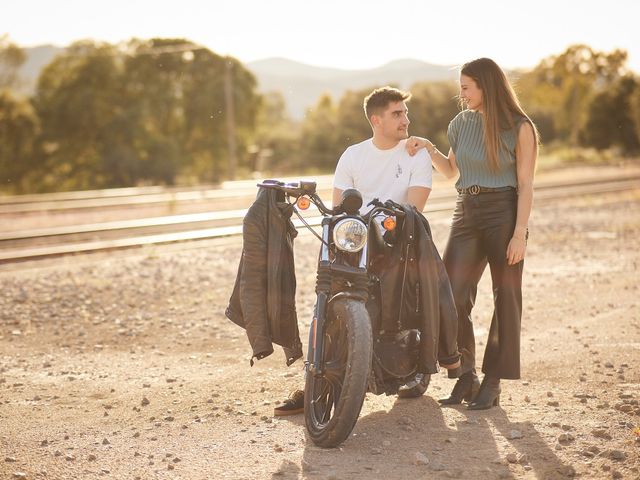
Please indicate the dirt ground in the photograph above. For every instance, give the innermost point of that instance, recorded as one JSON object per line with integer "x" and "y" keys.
{"x": 123, "y": 366}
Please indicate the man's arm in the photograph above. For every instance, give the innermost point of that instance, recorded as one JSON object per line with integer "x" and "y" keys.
{"x": 416, "y": 196}
{"x": 337, "y": 196}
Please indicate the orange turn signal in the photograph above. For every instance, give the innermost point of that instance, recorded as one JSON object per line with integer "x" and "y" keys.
{"x": 389, "y": 223}
{"x": 303, "y": 203}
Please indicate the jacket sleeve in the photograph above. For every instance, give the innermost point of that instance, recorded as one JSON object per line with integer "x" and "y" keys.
{"x": 442, "y": 317}
{"x": 448, "y": 353}
{"x": 253, "y": 280}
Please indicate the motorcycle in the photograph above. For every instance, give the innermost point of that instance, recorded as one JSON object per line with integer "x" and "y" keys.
{"x": 348, "y": 352}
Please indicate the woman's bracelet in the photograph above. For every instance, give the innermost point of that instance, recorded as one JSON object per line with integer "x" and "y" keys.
{"x": 433, "y": 150}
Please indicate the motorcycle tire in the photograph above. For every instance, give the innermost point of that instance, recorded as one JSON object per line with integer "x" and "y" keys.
{"x": 334, "y": 399}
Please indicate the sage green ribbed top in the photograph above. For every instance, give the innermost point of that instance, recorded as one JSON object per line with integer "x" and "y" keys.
{"x": 466, "y": 137}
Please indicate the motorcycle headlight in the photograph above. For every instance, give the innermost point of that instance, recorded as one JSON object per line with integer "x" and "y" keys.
{"x": 350, "y": 235}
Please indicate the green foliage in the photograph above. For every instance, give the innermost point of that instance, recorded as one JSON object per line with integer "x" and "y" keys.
{"x": 559, "y": 90}
{"x": 610, "y": 121}
{"x": 351, "y": 121}
{"x": 180, "y": 94}
{"x": 156, "y": 111}
{"x": 152, "y": 112}
{"x": 276, "y": 137}
{"x": 319, "y": 145}
{"x": 78, "y": 99}
{"x": 634, "y": 108}
{"x": 18, "y": 132}
{"x": 11, "y": 58}
{"x": 329, "y": 128}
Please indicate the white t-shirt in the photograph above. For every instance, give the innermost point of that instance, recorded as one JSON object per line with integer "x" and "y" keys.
{"x": 382, "y": 174}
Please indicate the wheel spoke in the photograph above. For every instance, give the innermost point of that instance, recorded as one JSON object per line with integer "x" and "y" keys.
{"x": 324, "y": 392}
{"x": 319, "y": 394}
{"x": 326, "y": 415}
{"x": 336, "y": 388}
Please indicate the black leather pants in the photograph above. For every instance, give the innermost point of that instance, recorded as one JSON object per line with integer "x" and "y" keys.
{"x": 481, "y": 228}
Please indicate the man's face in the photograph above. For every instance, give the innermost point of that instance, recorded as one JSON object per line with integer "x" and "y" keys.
{"x": 393, "y": 124}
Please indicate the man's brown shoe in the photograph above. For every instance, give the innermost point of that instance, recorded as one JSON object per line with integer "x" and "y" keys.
{"x": 292, "y": 405}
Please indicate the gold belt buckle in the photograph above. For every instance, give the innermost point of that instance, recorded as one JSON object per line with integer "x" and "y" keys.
{"x": 474, "y": 189}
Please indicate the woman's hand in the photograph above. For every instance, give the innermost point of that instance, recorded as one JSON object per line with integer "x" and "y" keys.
{"x": 516, "y": 249}
{"x": 416, "y": 143}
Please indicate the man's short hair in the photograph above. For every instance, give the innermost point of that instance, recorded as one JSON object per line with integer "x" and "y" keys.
{"x": 377, "y": 101}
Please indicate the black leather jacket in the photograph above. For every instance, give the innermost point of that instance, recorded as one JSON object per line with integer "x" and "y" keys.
{"x": 416, "y": 293}
{"x": 263, "y": 298}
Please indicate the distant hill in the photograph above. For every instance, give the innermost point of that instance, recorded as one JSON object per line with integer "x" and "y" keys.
{"x": 300, "y": 84}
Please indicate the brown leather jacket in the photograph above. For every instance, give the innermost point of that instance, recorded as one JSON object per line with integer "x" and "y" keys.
{"x": 263, "y": 298}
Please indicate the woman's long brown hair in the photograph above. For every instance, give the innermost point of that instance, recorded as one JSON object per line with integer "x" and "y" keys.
{"x": 500, "y": 105}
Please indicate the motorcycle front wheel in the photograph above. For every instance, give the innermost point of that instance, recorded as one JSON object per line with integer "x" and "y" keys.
{"x": 334, "y": 399}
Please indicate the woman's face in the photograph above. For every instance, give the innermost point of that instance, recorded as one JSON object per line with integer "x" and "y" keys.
{"x": 470, "y": 94}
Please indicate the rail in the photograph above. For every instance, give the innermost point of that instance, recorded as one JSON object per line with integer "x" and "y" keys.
{"x": 50, "y": 242}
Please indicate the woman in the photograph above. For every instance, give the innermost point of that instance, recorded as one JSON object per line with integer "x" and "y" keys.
{"x": 494, "y": 147}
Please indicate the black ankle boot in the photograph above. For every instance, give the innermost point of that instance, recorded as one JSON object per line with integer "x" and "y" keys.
{"x": 488, "y": 396}
{"x": 465, "y": 389}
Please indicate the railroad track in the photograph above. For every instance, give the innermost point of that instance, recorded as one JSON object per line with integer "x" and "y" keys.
{"x": 118, "y": 198}
{"x": 40, "y": 243}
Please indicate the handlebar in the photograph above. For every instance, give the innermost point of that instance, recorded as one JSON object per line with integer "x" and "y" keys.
{"x": 299, "y": 189}
{"x": 295, "y": 189}
{"x": 389, "y": 207}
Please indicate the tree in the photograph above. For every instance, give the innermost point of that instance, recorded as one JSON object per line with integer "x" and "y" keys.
{"x": 634, "y": 108}
{"x": 179, "y": 89}
{"x": 562, "y": 86}
{"x": 153, "y": 84}
{"x": 207, "y": 114}
{"x": 149, "y": 111}
{"x": 319, "y": 139}
{"x": 610, "y": 118}
{"x": 78, "y": 98}
{"x": 277, "y": 136}
{"x": 18, "y": 132}
{"x": 11, "y": 58}
{"x": 352, "y": 124}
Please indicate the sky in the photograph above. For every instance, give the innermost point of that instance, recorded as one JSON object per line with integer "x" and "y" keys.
{"x": 347, "y": 34}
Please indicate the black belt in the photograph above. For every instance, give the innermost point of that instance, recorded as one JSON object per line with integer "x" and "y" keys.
{"x": 476, "y": 189}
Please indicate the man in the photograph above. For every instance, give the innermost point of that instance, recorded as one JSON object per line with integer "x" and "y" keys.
{"x": 381, "y": 167}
